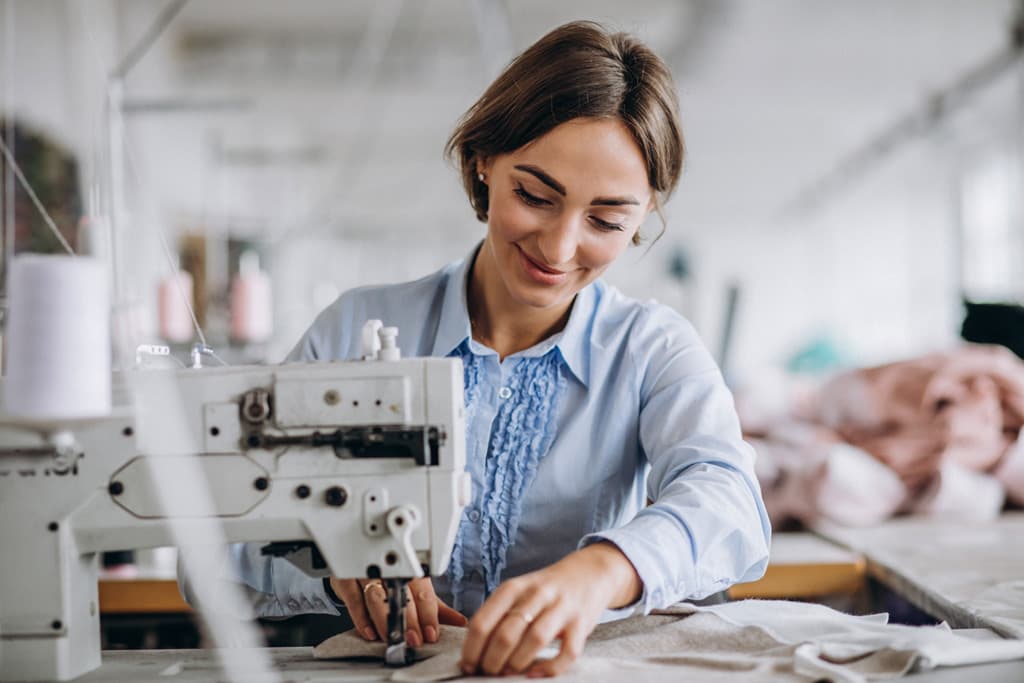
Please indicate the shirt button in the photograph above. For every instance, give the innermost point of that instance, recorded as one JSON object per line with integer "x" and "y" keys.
{"x": 474, "y": 515}
{"x": 505, "y": 393}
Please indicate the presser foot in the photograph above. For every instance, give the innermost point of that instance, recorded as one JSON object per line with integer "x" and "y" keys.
{"x": 398, "y": 652}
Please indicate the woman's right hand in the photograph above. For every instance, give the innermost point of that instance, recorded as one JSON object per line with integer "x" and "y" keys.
{"x": 367, "y": 603}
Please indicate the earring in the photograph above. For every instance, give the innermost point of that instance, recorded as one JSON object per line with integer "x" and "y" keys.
{"x": 480, "y": 176}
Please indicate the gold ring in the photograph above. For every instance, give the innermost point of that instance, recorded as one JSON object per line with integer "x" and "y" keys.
{"x": 370, "y": 584}
{"x": 528, "y": 618}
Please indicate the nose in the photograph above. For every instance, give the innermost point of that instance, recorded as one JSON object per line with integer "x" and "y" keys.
{"x": 558, "y": 242}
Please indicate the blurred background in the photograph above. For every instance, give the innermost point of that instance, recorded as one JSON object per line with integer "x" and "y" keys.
{"x": 854, "y": 167}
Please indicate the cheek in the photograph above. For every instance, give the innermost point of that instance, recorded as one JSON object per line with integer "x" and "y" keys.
{"x": 511, "y": 221}
{"x": 602, "y": 250}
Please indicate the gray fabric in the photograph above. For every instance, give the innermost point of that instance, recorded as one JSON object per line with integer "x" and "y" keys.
{"x": 752, "y": 640}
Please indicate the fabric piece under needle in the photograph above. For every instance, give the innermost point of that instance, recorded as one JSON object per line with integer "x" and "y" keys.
{"x": 767, "y": 641}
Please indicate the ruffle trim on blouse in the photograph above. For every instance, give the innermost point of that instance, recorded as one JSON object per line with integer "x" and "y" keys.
{"x": 521, "y": 435}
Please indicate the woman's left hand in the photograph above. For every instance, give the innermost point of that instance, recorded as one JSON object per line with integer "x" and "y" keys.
{"x": 563, "y": 601}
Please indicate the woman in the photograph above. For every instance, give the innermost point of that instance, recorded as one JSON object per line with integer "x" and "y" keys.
{"x": 576, "y": 395}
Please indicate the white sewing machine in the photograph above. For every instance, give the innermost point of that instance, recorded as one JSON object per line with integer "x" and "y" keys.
{"x": 352, "y": 469}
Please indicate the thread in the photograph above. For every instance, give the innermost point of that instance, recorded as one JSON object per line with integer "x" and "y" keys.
{"x": 174, "y": 298}
{"x": 251, "y": 302}
{"x": 58, "y": 344}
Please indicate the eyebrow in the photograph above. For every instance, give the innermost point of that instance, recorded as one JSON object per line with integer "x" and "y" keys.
{"x": 558, "y": 187}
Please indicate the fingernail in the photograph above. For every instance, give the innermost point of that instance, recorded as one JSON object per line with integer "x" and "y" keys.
{"x": 431, "y": 633}
{"x": 369, "y": 633}
{"x": 466, "y": 669}
{"x": 412, "y": 638}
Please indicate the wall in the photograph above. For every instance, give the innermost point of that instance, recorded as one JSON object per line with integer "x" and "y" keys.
{"x": 874, "y": 268}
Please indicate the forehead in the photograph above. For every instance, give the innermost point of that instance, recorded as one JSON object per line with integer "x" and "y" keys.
{"x": 585, "y": 155}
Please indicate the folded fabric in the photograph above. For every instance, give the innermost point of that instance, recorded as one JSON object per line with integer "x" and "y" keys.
{"x": 965, "y": 406}
{"x": 943, "y": 429}
{"x": 835, "y": 646}
{"x": 767, "y": 641}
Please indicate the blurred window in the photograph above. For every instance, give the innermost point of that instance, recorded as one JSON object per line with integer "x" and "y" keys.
{"x": 992, "y": 233}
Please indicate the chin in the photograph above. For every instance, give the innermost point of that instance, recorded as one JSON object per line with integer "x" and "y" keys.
{"x": 538, "y": 296}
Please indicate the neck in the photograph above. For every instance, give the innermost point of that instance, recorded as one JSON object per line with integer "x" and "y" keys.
{"x": 497, "y": 320}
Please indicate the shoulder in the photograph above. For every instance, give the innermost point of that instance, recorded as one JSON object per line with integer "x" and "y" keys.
{"x": 410, "y": 306}
{"x": 650, "y": 333}
{"x": 401, "y": 299}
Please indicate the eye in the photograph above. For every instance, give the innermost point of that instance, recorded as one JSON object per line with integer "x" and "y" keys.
{"x": 605, "y": 225}
{"x": 530, "y": 199}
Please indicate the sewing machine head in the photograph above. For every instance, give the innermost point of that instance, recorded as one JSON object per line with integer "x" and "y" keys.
{"x": 350, "y": 469}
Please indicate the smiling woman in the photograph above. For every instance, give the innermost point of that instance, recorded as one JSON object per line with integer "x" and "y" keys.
{"x": 581, "y": 404}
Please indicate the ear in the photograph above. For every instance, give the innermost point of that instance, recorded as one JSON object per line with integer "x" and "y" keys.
{"x": 653, "y": 205}
{"x": 483, "y": 166}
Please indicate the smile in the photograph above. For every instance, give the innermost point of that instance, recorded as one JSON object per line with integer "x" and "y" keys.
{"x": 538, "y": 273}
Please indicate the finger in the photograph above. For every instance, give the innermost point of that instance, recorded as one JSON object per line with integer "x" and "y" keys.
{"x": 523, "y": 627}
{"x": 427, "y": 606}
{"x": 539, "y": 614}
{"x": 450, "y": 616}
{"x": 538, "y": 636}
{"x": 484, "y": 622}
{"x": 351, "y": 593}
{"x": 413, "y": 632}
{"x": 375, "y": 597}
{"x": 573, "y": 638}
{"x": 505, "y": 640}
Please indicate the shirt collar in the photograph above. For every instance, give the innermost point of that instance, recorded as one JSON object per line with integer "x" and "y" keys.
{"x": 573, "y": 341}
{"x": 453, "y": 327}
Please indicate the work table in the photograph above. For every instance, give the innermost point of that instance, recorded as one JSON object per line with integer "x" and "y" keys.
{"x": 970, "y": 575}
{"x": 967, "y": 574}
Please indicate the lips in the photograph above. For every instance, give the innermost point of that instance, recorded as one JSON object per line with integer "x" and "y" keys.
{"x": 542, "y": 268}
{"x": 537, "y": 272}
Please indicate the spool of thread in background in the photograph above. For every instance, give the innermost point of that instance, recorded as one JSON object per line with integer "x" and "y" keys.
{"x": 58, "y": 338}
{"x": 175, "y": 296}
{"x": 251, "y": 302}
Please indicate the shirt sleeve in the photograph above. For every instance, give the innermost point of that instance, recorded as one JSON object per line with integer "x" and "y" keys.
{"x": 707, "y": 527}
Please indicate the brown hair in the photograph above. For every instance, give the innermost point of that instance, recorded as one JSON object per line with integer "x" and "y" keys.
{"x": 578, "y": 70}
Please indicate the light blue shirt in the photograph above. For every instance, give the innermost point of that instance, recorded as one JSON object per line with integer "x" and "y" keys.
{"x": 640, "y": 413}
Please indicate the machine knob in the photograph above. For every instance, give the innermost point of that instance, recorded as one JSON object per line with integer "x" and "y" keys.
{"x": 335, "y": 496}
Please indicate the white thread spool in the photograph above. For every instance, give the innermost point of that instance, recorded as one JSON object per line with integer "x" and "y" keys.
{"x": 58, "y": 338}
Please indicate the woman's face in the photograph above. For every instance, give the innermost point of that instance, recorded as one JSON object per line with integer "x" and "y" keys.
{"x": 563, "y": 207}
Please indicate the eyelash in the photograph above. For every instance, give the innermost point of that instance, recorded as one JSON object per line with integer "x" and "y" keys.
{"x": 531, "y": 200}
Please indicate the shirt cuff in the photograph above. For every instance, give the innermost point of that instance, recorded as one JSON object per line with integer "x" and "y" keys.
{"x": 332, "y": 597}
{"x": 645, "y": 560}
{"x": 298, "y": 593}
{"x": 610, "y": 614}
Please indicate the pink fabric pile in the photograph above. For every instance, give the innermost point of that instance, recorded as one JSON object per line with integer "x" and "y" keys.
{"x": 936, "y": 435}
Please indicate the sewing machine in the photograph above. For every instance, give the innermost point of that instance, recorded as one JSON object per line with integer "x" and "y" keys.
{"x": 350, "y": 469}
